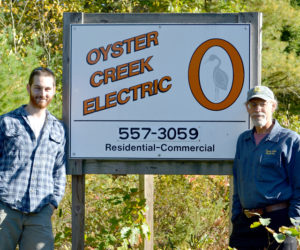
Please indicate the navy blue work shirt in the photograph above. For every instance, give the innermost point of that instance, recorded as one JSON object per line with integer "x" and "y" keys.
{"x": 267, "y": 173}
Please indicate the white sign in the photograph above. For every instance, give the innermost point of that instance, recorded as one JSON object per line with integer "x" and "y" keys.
{"x": 158, "y": 91}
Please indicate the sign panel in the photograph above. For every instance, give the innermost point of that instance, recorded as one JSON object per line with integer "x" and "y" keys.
{"x": 158, "y": 91}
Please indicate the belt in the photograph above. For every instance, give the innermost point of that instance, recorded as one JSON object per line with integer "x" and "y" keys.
{"x": 259, "y": 211}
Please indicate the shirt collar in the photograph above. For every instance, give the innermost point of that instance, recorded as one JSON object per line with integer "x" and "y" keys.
{"x": 272, "y": 136}
{"x": 275, "y": 132}
{"x": 22, "y": 111}
{"x": 48, "y": 121}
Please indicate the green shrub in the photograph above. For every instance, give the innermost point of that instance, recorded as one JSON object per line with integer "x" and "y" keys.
{"x": 14, "y": 74}
{"x": 114, "y": 214}
{"x": 288, "y": 120}
{"x": 191, "y": 212}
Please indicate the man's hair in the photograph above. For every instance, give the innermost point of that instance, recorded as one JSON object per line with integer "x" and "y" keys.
{"x": 41, "y": 71}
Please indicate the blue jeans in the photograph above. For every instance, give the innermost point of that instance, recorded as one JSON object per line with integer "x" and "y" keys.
{"x": 31, "y": 231}
{"x": 243, "y": 237}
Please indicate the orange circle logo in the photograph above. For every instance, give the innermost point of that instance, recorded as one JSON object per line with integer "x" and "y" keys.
{"x": 238, "y": 74}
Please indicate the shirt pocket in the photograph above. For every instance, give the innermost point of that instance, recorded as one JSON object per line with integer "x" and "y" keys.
{"x": 56, "y": 137}
{"x": 55, "y": 141}
{"x": 269, "y": 169}
{"x": 13, "y": 141}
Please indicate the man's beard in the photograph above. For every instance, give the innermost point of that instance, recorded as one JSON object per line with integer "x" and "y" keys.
{"x": 36, "y": 101}
{"x": 260, "y": 121}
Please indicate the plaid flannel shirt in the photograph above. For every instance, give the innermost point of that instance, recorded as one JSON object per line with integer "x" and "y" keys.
{"x": 32, "y": 172}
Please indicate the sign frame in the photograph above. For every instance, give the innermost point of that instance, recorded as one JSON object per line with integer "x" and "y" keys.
{"x": 156, "y": 166}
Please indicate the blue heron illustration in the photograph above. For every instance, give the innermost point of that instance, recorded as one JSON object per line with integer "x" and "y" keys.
{"x": 220, "y": 77}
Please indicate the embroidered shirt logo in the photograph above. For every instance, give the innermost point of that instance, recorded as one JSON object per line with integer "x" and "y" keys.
{"x": 271, "y": 152}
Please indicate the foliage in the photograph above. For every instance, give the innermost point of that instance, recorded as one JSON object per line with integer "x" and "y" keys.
{"x": 191, "y": 212}
{"x": 295, "y": 3}
{"x": 41, "y": 22}
{"x": 290, "y": 121}
{"x": 14, "y": 72}
{"x": 13, "y": 75}
{"x": 280, "y": 51}
{"x": 293, "y": 231}
{"x": 61, "y": 220}
{"x": 126, "y": 224}
{"x": 35, "y": 21}
{"x": 114, "y": 214}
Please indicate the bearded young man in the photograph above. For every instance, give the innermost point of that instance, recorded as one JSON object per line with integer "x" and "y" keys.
{"x": 266, "y": 176}
{"x": 32, "y": 168}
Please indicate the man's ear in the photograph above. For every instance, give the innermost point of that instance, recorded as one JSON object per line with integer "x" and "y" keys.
{"x": 274, "y": 106}
{"x": 246, "y": 104}
{"x": 28, "y": 88}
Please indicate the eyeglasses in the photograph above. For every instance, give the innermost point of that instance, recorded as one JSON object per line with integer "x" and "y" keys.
{"x": 253, "y": 105}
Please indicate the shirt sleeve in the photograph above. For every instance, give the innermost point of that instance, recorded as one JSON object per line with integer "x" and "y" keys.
{"x": 1, "y": 137}
{"x": 236, "y": 205}
{"x": 294, "y": 169}
{"x": 59, "y": 175}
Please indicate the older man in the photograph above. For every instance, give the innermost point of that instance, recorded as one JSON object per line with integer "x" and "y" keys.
{"x": 32, "y": 168}
{"x": 266, "y": 176}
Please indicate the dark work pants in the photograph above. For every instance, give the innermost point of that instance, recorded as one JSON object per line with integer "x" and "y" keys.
{"x": 245, "y": 238}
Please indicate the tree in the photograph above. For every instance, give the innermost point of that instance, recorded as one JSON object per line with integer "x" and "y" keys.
{"x": 280, "y": 52}
{"x": 40, "y": 22}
